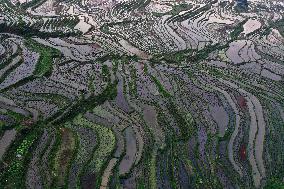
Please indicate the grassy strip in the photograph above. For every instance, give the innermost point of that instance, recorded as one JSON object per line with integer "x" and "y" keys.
{"x": 10, "y": 70}
{"x": 18, "y": 118}
{"x": 273, "y": 137}
{"x": 176, "y": 152}
{"x": 51, "y": 157}
{"x": 148, "y": 162}
{"x": 153, "y": 171}
{"x": 57, "y": 99}
{"x": 161, "y": 88}
{"x": 238, "y": 30}
{"x": 63, "y": 158}
{"x": 17, "y": 84}
{"x": 17, "y": 158}
{"x": 23, "y": 29}
{"x": 104, "y": 149}
{"x": 279, "y": 25}
{"x": 106, "y": 73}
{"x": 45, "y": 62}
{"x": 274, "y": 183}
{"x": 83, "y": 105}
{"x": 168, "y": 153}
{"x": 7, "y": 60}
{"x": 185, "y": 122}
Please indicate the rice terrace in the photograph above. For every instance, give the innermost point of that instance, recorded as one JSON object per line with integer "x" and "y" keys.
{"x": 141, "y": 94}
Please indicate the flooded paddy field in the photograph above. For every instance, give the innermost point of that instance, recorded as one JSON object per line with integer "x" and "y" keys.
{"x": 154, "y": 94}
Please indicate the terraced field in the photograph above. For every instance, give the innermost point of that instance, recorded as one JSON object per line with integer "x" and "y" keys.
{"x": 141, "y": 94}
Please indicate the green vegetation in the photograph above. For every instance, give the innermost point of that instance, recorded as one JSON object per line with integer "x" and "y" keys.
{"x": 17, "y": 159}
{"x": 276, "y": 166}
{"x": 274, "y": 184}
{"x": 235, "y": 34}
{"x": 279, "y": 25}
{"x": 33, "y": 4}
{"x": 176, "y": 9}
{"x": 106, "y": 73}
{"x": 85, "y": 104}
{"x": 9, "y": 71}
{"x": 17, "y": 121}
{"x": 106, "y": 143}
{"x": 91, "y": 83}
{"x": 188, "y": 55}
{"x": 18, "y": 117}
{"x": 52, "y": 155}
{"x": 23, "y": 29}
{"x": 161, "y": 88}
{"x": 145, "y": 69}
{"x": 45, "y": 62}
{"x": 57, "y": 99}
{"x": 148, "y": 162}
{"x": 115, "y": 64}
{"x": 172, "y": 57}
{"x": 62, "y": 160}
{"x": 2, "y": 124}
{"x": 153, "y": 171}
{"x": 74, "y": 131}
{"x": 184, "y": 121}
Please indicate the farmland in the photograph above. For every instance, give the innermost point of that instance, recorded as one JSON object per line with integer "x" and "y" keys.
{"x": 147, "y": 94}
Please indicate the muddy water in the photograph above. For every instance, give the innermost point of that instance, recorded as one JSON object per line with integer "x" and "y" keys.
{"x": 173, "y": 35}
{"x": 133, "y": 50}
{"x": 2, "y": 49}
{"x": 107, "y": 173}
{"x": 256, "y": 135}
{"x": 202, "y": 138}
{"x": 83, "y": 26}
{"x": 220, "y": 116}
{"x": 11, "y": 65}
{"x": 6, "y": 140}
{"x": 268, "y": 74}
{"x": 131, "y": 150}
{"x": 236, "y": 130}
{"x": 150, "y": 117}
{"x": 15, "y": 109}
{"x": 251, "y": 25}
{"x": 233, "y": 51}
{"x": 120, "y": 99}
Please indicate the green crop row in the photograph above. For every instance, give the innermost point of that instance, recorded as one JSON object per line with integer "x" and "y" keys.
{"x": 106, "y": 144}
{"x": 161, "y": 88}
{"x": 17, "y": 159}
{"x": 45, "y": 62}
